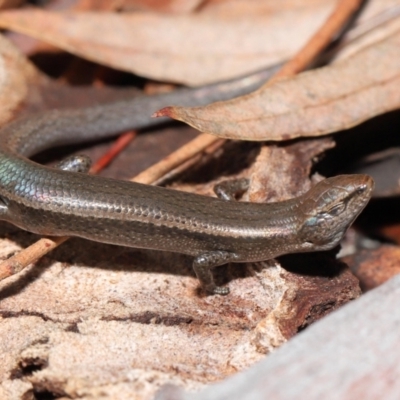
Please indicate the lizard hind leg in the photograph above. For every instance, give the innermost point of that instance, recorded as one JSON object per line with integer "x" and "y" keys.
{"x": 230, "y": 189}
{"x": 203, "y": 264}
{"x": 80, "y": 163}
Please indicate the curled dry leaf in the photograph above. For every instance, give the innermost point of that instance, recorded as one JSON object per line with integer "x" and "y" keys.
{"x": 314, "y": 103}
{"x": 192, "y": 49}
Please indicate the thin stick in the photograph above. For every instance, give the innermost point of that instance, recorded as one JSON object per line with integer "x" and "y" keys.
{"x": 178, "y": 157}
{"x": 343, "y": 11}
{"x": 29, "y": 255}
{"x": 304, "y": 57}
{"x": 210, "y": 150}
{"x": 115, "y": 149}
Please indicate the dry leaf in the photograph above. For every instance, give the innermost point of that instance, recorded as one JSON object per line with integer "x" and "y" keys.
{"x": 10, "y": 3}
{"x": 86, "y": 5}
{"x": 224, "y": 7}
{"x": 193, "y": 49}
{"x": 223, "y": 41}
{"x": 165, "y": 6}
{"x": 310, "y": 104}
{"x": 254, "y": 7}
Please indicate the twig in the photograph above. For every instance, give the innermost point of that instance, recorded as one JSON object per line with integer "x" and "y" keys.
{"x": 343, "y": 11}
{"x": 116, "y": 148}
{"x": 208, "y": 151}
{"x": 359, "y": 31}
{"x": 29, "y": 255}
{"x": 178, "y": 157}
{"x": 304, "y": 57}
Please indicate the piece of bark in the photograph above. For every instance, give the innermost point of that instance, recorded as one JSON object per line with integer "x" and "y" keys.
{"x": 352, "y": 354}
{"x": 99, "y": 321}
{"x": 373, "y": 267}
{"x": 276, "y": 172}
{"x": 279, "y": 171}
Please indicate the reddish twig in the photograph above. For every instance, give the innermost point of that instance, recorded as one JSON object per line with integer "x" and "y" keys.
{"x": 116, "y": 148}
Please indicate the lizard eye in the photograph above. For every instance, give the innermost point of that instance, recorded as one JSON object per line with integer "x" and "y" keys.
{"x": 337, "y": 209}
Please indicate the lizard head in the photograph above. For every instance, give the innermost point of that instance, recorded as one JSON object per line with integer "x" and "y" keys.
{"x": 330, "y": 207}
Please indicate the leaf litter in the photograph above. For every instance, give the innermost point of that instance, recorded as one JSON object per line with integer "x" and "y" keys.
{"x": 313, "y": 103}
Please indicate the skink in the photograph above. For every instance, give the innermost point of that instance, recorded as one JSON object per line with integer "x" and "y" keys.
{"x": 57, "y": 202}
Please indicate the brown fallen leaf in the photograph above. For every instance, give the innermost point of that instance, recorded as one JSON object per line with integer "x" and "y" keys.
{"x": 31, "y": 46}
{"x": 192, "y": 49}
{"x": 164, "y": 6}
{"x": 313, "y": 103}
{"x": 85, "y": 5}
{"x": 10, "y": 3}
{"x": 248, "y": 7}
{"x": 224, "y": 7}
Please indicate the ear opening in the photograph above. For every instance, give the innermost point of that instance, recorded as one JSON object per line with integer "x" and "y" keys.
{"x": 3, "y": 204}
